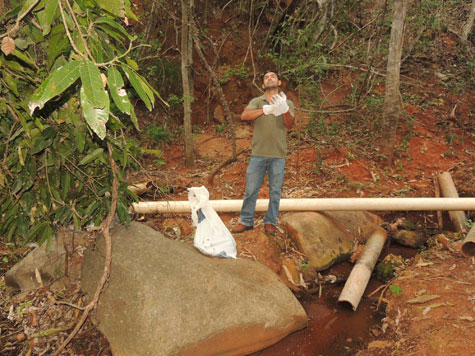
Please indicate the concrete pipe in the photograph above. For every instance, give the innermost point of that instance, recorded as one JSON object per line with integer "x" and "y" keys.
{"x": 468, "y": 244}
{"x": 448, "y": 190}
{"x": 359, "y": 277}
{"x": 317, "y": 204}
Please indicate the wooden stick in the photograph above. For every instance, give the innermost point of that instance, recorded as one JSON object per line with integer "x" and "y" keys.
{"x": 440, "y": 221}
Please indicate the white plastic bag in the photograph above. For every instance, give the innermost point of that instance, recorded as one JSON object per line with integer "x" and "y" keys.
{"x": 212, "y": 237}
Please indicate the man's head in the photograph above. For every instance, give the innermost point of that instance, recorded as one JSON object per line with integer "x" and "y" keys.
{"x": 270, "y": 80}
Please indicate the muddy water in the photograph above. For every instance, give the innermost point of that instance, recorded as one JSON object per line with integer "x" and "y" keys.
{"x": 334, "y": 329}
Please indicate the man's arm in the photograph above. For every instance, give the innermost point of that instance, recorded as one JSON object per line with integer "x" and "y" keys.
{"x": 289, "y": 120}
{"x": 251, "y": 114}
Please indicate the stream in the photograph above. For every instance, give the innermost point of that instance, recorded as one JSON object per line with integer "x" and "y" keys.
{"x": 334, "y": 329}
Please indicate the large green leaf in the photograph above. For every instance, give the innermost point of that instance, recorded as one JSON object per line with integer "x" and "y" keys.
{"x": 11, "y": 83}
{"x": 106, "y": 24}
{"x": 26, "y": 6}
{"x": 115, "y": 7}
{"x": 137, "y": 84}
{"x": 92, "y": 84}
{"x": 57, "y": 44}
{"x": 51, "y": 9}
{"x": 95, "y": 117}
{"x": 54, "y": 85}
{"x": 23, "y": 57}
{"x": 118, "y": 93}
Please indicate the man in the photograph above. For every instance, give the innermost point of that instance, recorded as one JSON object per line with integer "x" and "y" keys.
{"x": 272, "y": 114}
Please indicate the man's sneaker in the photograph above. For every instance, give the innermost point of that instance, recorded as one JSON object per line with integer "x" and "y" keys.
{"x": 241, "y": 228}
{"x": 270, "y": 229}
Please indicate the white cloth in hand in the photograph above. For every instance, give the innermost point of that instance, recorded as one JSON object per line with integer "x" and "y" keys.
{"x": 279, "y": 102}
{"x": 268, "y": 109}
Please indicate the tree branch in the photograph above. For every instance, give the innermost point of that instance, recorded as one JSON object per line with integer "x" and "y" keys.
{"x": 217, "y": 87}
{"x": 19, "y": 18}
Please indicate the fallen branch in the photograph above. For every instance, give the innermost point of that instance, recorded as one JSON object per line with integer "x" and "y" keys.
{"x": 225, "y": 163}
{"x": 52, "y": 331}
{"x": 107, "y": 263}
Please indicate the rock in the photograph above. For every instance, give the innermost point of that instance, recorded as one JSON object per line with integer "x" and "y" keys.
{"x": 309, "y": 273}
{"x": 219, "y": 114}
{"x": 319, "y": 237}
{"x": 409, "y": 238}
{"x": 389, "y": 267}
{"x": 50, "y": 263}
{"x": 359, "y": 223}
{"x": 165, "y": 298}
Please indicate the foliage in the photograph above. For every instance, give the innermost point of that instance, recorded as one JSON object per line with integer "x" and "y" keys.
{"x": 158, "y": 133}
{"x": 239, "y": 71}
{"x": 395, "y": 289}
{"x": 66, "y": 76}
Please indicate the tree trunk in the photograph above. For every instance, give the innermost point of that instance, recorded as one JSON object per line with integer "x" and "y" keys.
{"x": 392, "y": 107}
{"x": 218, "y": 90}
{"x": 468, "y": 25}
{"x": 186, "y": 62}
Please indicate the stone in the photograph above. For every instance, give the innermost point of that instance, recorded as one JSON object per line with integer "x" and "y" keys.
{"x": 409, "y": 238}
{"x": 322, "y": 240}
{"x": 389, "y": 267}
{"x": 165, "y": 298}
{"x": 49, "y": 260}
{"x": 219, "y": 114}
{"x": 359, "y": 223}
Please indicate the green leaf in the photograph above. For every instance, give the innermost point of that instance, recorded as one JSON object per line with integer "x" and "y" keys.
{"x": 134, "y": 119}
{"x": 96, "y": 49}
{"x": 65, "y": 185}
{"x": 92, "y": 84}
{"x": 96, "y": 118}
{"x": 46, "y": 235}
{"x": 11, "y": 83}
{"x": 23, "y": 57}
{"x": 80, "y": 138}
{"x": 51, "y": 10}
{"x": 105, "y": 23}
{"x": 23, "y": 43}
{"x": 13, "y": 228}
{"x": 57, "y": 44}
{"x": 44, "y": 140}
{"x": 129, "y": 14}
{"x": 37, "y": 229}
{"x": 115, "y": 7}
{"x": 27, "y": 4}
{"x": 118, "y": 93}
{"x": 91, "y": 156}
{"x": 137, "y": 85}
{"x": 54, "y": 85}
{"x": 133, "y": 64}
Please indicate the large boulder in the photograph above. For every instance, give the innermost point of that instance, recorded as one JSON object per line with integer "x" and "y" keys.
{"x": 46, "y": 264}
{"x": 328, "y": 237}
{"x": 165, "y": 298}
{"x": 359, "y": 223}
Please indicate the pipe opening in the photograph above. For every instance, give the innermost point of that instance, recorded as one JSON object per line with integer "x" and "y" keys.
{"x": 468, "y": 248}
{"x": 347, "y": 304}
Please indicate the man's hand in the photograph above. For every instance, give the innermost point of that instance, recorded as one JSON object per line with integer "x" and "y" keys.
{"x": 279, "y": 102}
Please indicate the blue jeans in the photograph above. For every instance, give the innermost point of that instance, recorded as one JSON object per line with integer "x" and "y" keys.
{"x": 256, "y": 171}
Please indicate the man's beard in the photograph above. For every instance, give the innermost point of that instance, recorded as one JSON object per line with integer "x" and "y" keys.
{"x": 271, "y": 86}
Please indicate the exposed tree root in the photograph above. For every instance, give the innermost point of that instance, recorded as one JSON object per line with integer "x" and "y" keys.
{"x": 225, "y": 163}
